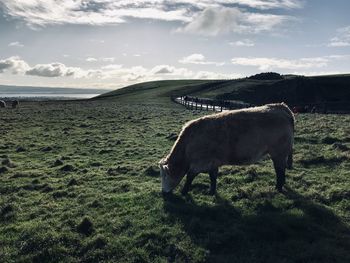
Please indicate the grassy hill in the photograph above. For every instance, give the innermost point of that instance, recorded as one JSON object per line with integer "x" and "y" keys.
{"x": 294, "y": 90}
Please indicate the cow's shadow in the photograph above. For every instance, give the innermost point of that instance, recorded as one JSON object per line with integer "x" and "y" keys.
{"x": 305, "y": 232}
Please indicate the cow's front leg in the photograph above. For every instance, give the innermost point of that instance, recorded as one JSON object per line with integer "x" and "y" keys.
{"x": 213, "y": 176}
{"x": 189, "y": 178}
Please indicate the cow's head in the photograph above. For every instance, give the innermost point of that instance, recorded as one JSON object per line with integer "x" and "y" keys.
{"x": 168, "y": 182}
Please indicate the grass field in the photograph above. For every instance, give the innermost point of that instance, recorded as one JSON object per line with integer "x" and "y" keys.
{"x": 79, "y": 182}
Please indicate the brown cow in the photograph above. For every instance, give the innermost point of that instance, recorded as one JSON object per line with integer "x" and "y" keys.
{"x": 230, "y": 138}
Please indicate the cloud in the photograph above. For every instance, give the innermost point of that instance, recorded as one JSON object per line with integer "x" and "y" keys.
{"x": 92, "y": 12}
{"x": 213, "y": 21}
{"x": 102, "y": 12}
{"x": 170, "y": 70}
{"x": 13, "y": 64}
{"x": 91, "y": 59}
{"x": 55, "y": 70}
{"x": 15, "y": 44}
{"x": 243, "y": 43}
{"x": 272, "y": 4}
{"x": 110, "y": 59}
{"x": 163, "y": 69}
{"x": 198, "y": 59}
{"x": 319, "y": 73}
{"x": 342, "y": 39}
{"x": 292, "y": 64}
{"x": 112, "y": 72}
{"x": 215, "y": 75}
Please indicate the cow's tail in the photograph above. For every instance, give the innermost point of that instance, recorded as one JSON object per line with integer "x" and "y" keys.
{"x": 292, "y": 122}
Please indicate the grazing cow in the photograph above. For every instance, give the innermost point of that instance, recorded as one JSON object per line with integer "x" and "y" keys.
{"x": 234, "y": 137}
{"x": 15, "y": 104}
{"x": 2, "y": 104}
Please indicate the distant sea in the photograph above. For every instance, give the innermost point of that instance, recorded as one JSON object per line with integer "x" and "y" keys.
{"x": 48, "y": 95}
{"x": 43, "y": 93}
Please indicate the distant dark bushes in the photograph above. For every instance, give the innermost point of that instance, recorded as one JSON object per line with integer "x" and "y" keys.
{"x": 267, "y": 76}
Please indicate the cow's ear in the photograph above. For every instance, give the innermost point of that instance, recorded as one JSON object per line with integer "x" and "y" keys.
{"x": 166, "y": 168}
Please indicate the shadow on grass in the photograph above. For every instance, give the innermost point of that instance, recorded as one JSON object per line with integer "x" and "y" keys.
{"x": 306, "y": 232}
{"x": 321, "y": 160}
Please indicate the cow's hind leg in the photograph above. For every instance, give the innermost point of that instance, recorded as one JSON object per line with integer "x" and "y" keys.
{"x": 213, "y": 174}
{"x": 280, "y": 168}
{"x": 189, "y": 178}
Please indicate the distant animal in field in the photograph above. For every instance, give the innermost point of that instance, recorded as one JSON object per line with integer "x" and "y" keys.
{"x": 2, "y": 104}
{"x": 15, "y": 104}
{"x": 236, "y": 137}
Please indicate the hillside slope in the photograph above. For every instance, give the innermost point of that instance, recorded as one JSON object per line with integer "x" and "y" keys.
{"x": 294, "y": 90}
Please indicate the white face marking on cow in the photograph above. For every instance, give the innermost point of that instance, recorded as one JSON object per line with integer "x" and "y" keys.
{"x": 166, "y": 182}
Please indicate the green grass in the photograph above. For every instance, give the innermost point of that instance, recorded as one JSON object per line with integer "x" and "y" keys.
{"x": 80, "y": 183}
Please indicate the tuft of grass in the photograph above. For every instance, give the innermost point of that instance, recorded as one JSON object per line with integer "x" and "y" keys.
{"x": 85, "y": 227}
{"x": 67, "y": 168}
{"x": 3, "y": 169}
{"x": 8, "y": 162}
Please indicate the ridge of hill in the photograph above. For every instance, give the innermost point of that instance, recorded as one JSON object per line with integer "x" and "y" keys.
{"x": 292, "y": 89}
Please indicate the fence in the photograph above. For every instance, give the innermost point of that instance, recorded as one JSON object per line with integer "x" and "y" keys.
{"x": 195, "y": 103}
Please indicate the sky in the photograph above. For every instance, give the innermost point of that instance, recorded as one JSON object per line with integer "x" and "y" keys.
{"x": 111, "y": 44}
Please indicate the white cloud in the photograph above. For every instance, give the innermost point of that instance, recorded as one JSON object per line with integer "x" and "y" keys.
{"x": 292, "y": 64}
{"x": 342, "y": 39}
{"x": 163, "y": 69}
{"x": 55, "y": 70}
{"x": 113, "y": 72}
{"x": 198, "y": 59}
{"x": 170, "y": 70}
{"x": 243, "y": 43}
{"x": 15, "y": 44}
{"x": 213, "y": 21}
{"x": 112, "y": 67}
{"x": 13, "y": 64}
{"x": 110, "y": 59}
{"x": 270, "y": 4}
{"x": 318, "y": 73}
{"x": 91, "y": 59}
{"x": 102, "y": 12}
{"x": 107, "y": 59}
{"x": 215, "y": 75}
